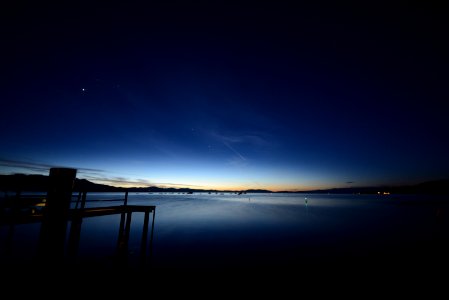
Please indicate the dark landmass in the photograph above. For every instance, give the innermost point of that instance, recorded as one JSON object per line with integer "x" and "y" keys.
{"x": 39, "y": 183}
{"x": 440, "y": 187}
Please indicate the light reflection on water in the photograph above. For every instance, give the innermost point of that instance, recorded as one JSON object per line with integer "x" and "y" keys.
{"x": 253, "y": 229}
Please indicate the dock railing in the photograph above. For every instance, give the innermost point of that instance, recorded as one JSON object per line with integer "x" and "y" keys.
{"x": 80, "y": 211}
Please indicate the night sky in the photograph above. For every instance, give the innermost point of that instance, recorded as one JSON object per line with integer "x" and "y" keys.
{"x": 230, "y": 96}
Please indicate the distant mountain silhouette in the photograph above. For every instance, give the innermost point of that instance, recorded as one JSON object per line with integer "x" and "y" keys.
{"x": 39, "y": 183}
{"x": 258, "y": 191}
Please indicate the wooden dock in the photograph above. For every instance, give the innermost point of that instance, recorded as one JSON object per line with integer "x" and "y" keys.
{"x": 32, "y": 209}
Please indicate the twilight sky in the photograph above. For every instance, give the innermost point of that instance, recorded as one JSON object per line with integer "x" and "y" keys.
{"x": 227, "y": 96}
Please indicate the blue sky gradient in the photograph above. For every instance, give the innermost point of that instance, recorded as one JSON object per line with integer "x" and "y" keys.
{"x": 218, "y": 96}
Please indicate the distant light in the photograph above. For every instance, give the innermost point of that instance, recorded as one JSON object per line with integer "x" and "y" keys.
{"x": 83, "y": 90}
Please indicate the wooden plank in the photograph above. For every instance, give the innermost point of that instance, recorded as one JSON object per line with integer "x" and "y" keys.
{"x": 110, "y": 210}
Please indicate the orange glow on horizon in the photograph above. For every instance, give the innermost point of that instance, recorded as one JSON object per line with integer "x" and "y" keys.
{"x": 212, "y": 186}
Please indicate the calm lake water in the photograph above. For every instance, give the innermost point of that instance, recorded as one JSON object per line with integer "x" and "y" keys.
{"x": 253, "y": 230}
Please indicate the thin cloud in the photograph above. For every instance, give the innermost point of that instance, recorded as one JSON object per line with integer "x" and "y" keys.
{"x": 232, "y": 143}
{"x": 39, "y": 167}
{"x": 177, "y": 184}
{"x": 253, "y": 138}
{"x": 235, "y": 161}
{"x": 235, "y": 151}
{"x": 123, "y": 181}
{"x": 118, "y": 181}
{"x": 24, "y": 165}
{"x": 94, "y": 175}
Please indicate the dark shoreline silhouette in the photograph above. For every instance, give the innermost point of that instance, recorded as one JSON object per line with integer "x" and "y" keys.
{"x": 37, "y": 183}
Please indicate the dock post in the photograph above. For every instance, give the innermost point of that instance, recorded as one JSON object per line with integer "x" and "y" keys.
{"x": 151, "y": 236}
{"x": 144, "y": 241}
{"x": 75, "y": 229}
{"x": 54, "y": 223}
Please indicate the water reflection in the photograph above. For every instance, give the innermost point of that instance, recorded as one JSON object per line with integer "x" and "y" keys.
{"x": 278, "y": 230}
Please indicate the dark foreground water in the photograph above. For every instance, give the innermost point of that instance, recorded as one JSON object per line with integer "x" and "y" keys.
{"x": 259, "y": 231}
